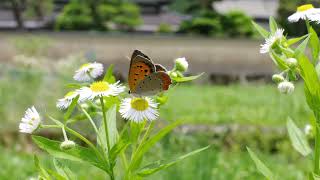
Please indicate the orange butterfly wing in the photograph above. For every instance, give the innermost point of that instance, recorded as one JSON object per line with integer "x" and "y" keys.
{"x": 153, "y": 84}
{"x": 140, "y": 67}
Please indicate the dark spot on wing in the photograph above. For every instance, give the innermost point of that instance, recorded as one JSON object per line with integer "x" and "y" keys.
{"x": 146, "y": 70}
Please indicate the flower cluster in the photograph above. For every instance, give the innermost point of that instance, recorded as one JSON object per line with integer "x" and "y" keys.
{"x": 136, "y": 109}
{"x": 278, "y": 46}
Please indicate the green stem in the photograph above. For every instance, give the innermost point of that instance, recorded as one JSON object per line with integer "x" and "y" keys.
{"x": 317, "y": 151}
{"x": 91, "y": 121}
{"x": 50, "y": 126}
{"x": 107, "y": 136}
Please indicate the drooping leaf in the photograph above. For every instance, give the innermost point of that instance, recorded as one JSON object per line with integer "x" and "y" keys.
{"x": 186, "y": 79}
{"x": 71, "y": 108}
{"x": 262, "y": 168}
{"x": 108, "y": 77}
{"x": 78, "y": 153}
{"x": 298, "y": 138}
{"x": 263, "y": 32}
{"x": 136, "y": 160}
{"x": 272, "y": 25}
{"x": 159, "y": 165}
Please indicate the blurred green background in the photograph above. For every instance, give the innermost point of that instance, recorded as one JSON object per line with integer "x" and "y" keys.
{"x": 232, "y": 106}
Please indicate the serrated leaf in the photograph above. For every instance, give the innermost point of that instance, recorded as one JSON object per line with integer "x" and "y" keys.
{"x": 136, "y": 160}
{"x": 272, "y": 25}
{"x": 78, "y": 153}
{"x": 263, "y": 32}
{"x": 159, "y": 165}
{"x": 262, "y": 168}
{"x": 298, "y": 139}
{"x": 71, "y": 108}
{"x": 186, "y": 79}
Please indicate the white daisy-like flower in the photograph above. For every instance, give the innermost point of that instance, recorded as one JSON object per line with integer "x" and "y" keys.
{"x": 99, "y": 89}
{"x": 30, "y": 122}
{"x": 269, "y": 42}
{"x": 65, "y": 102}
{"x": 139, "y": 109}
{"x": 88, "y": 72}
{"x": 304, "y": 12}
{"x": 286, "y": 87}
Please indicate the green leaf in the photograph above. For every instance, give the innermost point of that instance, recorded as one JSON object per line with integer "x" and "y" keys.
{"x": 295, "y": 40}
{"x": 314, "y": 44}
{"x": 272, "y": 25}
{"x": 63, "y": 170}
{"x": 185, "y": 79}
{"x": 262, "y": 168}
{"x": 137, "y": 157}
{"x": 42, "y": 171}
{"x": 135, "y": 130}
{"x": 302, "y": 47}
{"x": 78, "y": 153}
{"x": 112, "y": 128}
{"x": 159, "y": 165}
{"x": 298, "y": 139}
{"x": 71, "y": 108}
{"x": 279, "y": 61}
{"x": 109, "y": 75}
{"x": 263, "y": 32}
{"x": 121, "y": 145}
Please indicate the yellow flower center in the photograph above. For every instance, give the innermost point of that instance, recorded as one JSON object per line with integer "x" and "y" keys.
{"x": 305, "y": 7}
{"x": 99, "y": 86}
{"x": 139, "y": 104}
{"x": 69, "y": 94}
{"x": 85, "y": 65}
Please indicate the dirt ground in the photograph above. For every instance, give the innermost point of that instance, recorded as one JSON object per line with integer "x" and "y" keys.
{"x": 235, "y": 57}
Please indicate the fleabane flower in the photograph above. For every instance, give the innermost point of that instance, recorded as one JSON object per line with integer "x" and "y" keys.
{"x": 88, "y": 71}
{"x": 269, "y": 42}
{"x": 30, "y": 122}
{"x": 139, "y": 109}
{"x": 100, "y": 89}
{"x": 304, "y": 12}
{"x": 65, "y": 102}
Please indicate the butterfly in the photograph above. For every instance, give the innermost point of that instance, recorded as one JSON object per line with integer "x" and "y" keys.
{"x": 146, "y": 78}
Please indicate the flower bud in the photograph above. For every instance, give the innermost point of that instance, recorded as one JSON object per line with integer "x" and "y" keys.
{"x": 292, "y": 62}
{"x": 181, "y": 64}
{"x": 308, "y": 130}
{"x": 286, "y": 87}
{"x": 173, "y": 74}
{"x": 67, "y": 144}
{"x": 277, "y": 78}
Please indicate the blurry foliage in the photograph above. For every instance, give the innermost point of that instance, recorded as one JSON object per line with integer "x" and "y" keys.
{"x": 39, "y": 9}
{"x": 237, "y": 23}
{"x": 191, "y": 6}
{"x": 287, "y": 8}
{"x": 97, "y": 15}
{"x": 210, "y": 23}
{"x": 31, "y": 46}
{"x": 164, "y": 28}
{"x": 75, "y": 16}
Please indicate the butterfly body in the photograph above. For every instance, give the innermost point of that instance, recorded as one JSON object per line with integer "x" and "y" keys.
{"x": 146, "y": 78}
